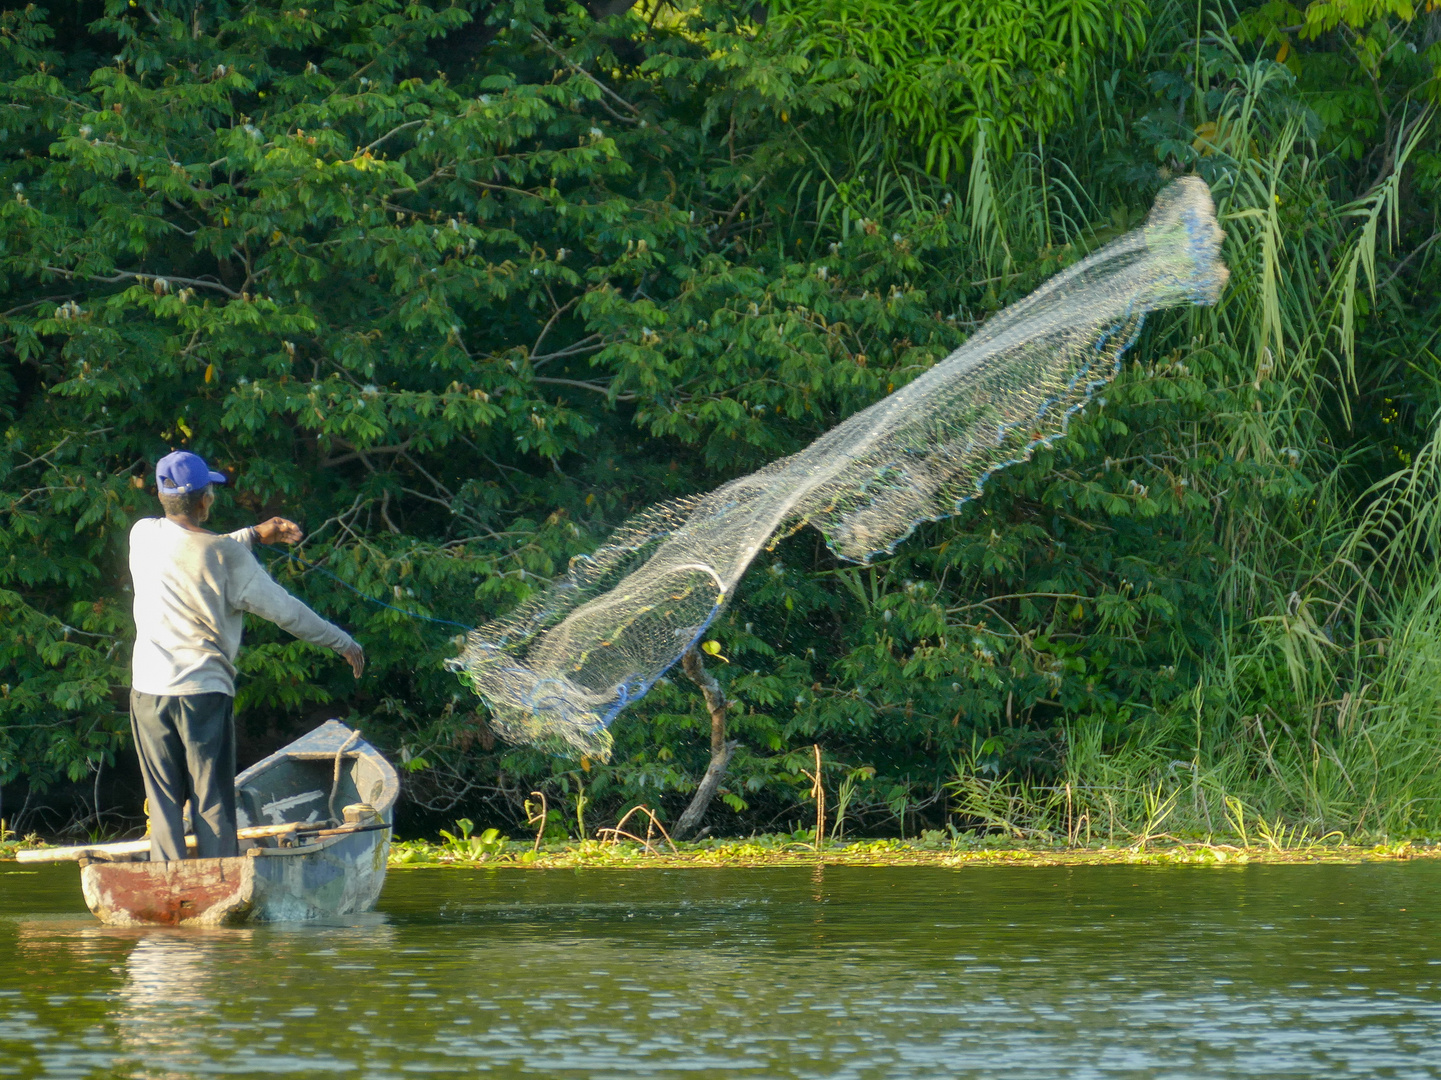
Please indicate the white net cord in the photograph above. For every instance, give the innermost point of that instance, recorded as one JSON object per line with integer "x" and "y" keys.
{"x": 556, "y": 671}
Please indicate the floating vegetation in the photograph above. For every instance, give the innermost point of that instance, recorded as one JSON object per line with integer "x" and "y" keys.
{"x": 932, "y": 848}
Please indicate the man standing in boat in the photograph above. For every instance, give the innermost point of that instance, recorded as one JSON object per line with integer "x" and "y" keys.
{"x": 192, "y": 587}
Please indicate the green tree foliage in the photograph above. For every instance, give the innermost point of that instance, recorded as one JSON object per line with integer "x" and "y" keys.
{"x": 461, "y": 287}
{"x": 939, "y": 69}
{"x": 1371, "y": 69}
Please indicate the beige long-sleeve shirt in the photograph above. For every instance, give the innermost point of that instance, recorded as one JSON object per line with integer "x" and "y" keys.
{"x": 191, "y": 590}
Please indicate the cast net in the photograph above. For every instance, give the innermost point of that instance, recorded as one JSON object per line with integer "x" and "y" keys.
{"x": 557, "y": 670}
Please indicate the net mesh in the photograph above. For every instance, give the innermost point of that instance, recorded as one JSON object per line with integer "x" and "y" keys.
{"x": 556, "y": 671}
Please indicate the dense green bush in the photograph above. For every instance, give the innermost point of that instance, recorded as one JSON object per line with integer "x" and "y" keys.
{"x": 460, "y": 287}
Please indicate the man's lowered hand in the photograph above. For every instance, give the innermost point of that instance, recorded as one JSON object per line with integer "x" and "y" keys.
{"x": 356, "y": 655}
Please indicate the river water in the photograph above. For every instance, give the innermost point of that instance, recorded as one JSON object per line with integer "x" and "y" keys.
{"x": 1015, "y": 972}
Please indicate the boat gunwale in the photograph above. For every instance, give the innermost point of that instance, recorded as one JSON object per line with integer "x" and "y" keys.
{"x": 307, "y": 847}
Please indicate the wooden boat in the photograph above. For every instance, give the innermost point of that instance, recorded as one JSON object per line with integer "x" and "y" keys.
{"x": 300, "y": 857}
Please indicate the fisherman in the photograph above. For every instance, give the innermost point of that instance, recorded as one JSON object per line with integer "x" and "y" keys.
{"x": 191, "y": 588}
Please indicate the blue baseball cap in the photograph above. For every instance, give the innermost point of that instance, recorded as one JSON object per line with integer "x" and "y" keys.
{"x": 182, "y": 472}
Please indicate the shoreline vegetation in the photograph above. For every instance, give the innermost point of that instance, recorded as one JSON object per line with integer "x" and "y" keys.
{"x": 489, "y": 850}
{"x": 761, "y": 852}
{"x": 783, "y": 850}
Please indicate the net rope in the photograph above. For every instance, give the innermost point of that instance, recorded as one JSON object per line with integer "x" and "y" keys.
{"x": 556, "y": 671}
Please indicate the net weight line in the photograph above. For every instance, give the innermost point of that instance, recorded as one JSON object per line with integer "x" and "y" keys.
{"x": 308, "y": 566}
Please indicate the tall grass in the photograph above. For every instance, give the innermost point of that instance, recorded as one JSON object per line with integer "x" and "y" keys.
{"x": 1364, "y": 764}
{"x": 1320, "y": 710}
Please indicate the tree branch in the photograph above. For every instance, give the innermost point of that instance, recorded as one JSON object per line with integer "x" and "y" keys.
{"x": 357, "y": 454}
{"x": 598, "y": 388}
{"x": 720, "y": 749}
{"x": 606, "y": 90}
{"x": 130, "y": 275}
{"x": 559, "y": 311}
{"x": 394, "y": 131}
{"x": 36, "y": 303}
{"x": 586, "y": 344}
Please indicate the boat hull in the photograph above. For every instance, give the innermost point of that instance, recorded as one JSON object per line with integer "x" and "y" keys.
{"x": 339, "y": 875}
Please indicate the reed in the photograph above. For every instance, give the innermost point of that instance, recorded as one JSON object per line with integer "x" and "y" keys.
{"x": 1316, "y": 711}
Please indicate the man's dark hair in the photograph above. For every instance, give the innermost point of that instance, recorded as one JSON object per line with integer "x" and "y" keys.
{"x": 187, "y": 505}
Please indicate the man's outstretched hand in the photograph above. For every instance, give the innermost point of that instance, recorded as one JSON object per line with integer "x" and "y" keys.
{"x": 356, "y": 655}
{"x": 278, "y": 530}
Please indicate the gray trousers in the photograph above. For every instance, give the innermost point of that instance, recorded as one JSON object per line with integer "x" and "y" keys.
{"x": 186, "y": 744}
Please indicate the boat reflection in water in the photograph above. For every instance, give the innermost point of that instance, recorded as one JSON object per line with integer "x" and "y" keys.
{"x": 169, "y": 996}
{"x": 169, "y": 1003}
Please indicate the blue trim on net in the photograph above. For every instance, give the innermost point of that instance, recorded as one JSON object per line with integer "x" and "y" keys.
{"x": 627, "y": 691}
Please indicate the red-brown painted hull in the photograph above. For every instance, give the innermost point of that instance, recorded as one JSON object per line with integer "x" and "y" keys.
{"x": 338, "y": 875}
{"x": 213, "y": 892}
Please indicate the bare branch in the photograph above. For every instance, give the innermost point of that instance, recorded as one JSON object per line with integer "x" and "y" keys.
{"x": 436, "y": 483}
{"x": 598, "y": 388}
{"x": 359, "y": 454}
{"x": 607, "y": 91}
{"x": 37, "y": 303}
{"x": 720, "y": 749}
{"x": 584, "y": 345}
{"x": 130, "y": 275}
{"x": 428, "y": 498}
{"x": 394, "y": 131}
{"x": 559, "y": 311}
{"x": 736, "y": 209}
{"x": 385, "y": 513}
